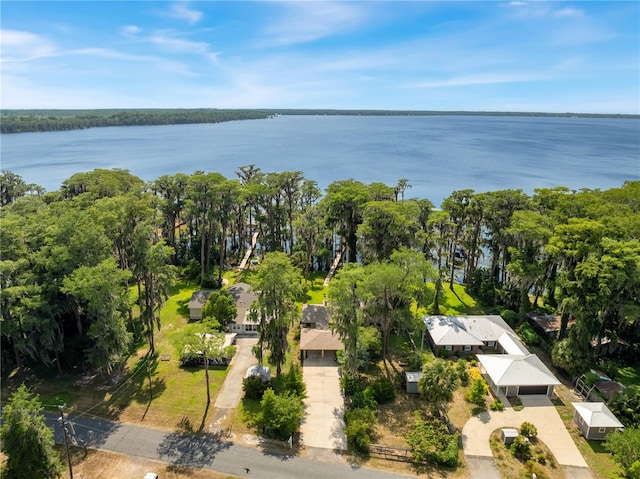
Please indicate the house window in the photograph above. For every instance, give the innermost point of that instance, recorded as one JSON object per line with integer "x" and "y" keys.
{"x": 491, "y": 344}
{"x": 467, "y": 348}
{"x": 448, "y": 347}
{"x": 602, "y": 430}
{"x": 580, "y": 419}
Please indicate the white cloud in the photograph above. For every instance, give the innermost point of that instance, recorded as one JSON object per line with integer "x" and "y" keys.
{"x": 479, "y": 79}
{"x": 308, "y": 21}
{"x": 568, "y": 12}
{"x": 21, "y": 46}
{"x": 181, "y": 11}
{"x": 130, "y": 30}
{"x": 175, "y": 44}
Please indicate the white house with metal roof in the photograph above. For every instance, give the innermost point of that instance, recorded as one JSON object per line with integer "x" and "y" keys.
{"x": 517, "y": 374}
{"x": 471, "y": 334}
{"x": 513, "y": 372}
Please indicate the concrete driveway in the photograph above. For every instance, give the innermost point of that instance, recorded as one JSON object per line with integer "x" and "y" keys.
{"x": 231, "y": 392}
{"x": 539, "y": 411}
{"x": 323, "y": 423}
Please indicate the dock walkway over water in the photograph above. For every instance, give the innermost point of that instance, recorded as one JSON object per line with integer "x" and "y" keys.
{"x": 245, "y": 260}
{"x": 334, "y": 266}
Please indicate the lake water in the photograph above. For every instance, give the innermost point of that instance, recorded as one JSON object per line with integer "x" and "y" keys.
{"x": 437, "y": 154}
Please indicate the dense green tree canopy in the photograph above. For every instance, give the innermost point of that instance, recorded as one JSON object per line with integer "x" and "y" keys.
{"x": 575, "y": 251}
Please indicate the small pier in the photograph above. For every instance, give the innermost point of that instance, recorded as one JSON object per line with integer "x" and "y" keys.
{"x": 334, "y": 266}
{"x": 247, "y": 255}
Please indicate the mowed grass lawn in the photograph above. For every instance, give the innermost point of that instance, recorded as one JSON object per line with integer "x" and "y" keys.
{"x": 179, "y": 394}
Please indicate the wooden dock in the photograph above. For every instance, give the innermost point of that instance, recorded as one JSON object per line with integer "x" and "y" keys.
{"x": 247, "y": 255}
{"x": 334, "y": 266}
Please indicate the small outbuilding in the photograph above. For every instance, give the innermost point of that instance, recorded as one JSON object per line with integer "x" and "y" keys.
{"x": 508, "y": 436}
{"x": 258, "y": 370}
{"x": 595, "y": 420}
{"x": 198, "y": 299}
{"x": 412, "y": 382}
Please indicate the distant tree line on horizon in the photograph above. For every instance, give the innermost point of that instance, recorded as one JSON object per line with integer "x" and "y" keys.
{"x": 37, "y": 120}
{"x": 86, "y": 269}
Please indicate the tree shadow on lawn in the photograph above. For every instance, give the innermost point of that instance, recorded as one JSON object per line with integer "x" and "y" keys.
{"x": 183, "y": 308}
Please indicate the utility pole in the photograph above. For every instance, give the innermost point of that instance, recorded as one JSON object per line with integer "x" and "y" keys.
{"x": 66, "y": 440}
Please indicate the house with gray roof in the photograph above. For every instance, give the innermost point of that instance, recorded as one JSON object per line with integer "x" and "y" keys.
{"x": 595, "y": 420}
{"x": 244, "y": 298}
{"x": 512, "y": 372}
{"x": 314, "y": 316}
{"x": 517, "y": 374}
{"x": 316, "y": 339}
{"x": 470, "y": 334}
{"x": 198, "y": 299}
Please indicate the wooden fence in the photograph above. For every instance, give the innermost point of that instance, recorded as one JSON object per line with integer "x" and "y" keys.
{"x": 391, "y": 453}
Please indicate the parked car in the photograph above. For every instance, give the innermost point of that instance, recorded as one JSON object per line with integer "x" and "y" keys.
{"x": 151, "y": 475}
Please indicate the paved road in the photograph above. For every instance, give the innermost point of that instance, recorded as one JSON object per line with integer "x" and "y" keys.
{"x": 207, "y": 452}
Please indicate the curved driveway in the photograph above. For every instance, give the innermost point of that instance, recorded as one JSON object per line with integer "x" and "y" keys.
{"x": 539, "y": 411}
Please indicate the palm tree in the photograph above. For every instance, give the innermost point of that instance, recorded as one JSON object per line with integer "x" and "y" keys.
{"x": 438, "y": 382}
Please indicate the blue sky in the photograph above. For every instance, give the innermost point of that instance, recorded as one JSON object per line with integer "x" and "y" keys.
{"x": 578, "y": 56}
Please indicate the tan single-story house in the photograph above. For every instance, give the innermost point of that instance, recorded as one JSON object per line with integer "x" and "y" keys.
{"x": 595, "y": 420}
{"x": 198, "y": 298}
{"x": 244, "y": 298}
{"x": 319, "y": 343}
{"x": 517, "y": 375}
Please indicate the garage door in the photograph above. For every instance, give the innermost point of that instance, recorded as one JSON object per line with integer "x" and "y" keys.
{"x": 314, "y": 354}
{"x": 525, "y": 390}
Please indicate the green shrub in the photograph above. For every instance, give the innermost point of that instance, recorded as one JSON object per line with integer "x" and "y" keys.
{"x": 529, "y": 430}
{"x": 383, "y": 391}
{"x": 510, "y": 316}
{"x": 349, "y": 385}
{"x": 254, "y": 387}
{"x": 463, "y": 373}
{"x": 364, "y": 399}
{"x": 291, "y": 382}
{"x": 531, "y": 468}
{"x": 528, "y": 334}
{"x": 359, "y": 427}
{"x": 280, "y": 415}
{"x": 521, "y": 448}
{"x": 497, "y": 405}
{"x": 414, "y": 361}
{"x": 477, "y": 392}
{"x": 430, "y": 441}
{"x": 611, "y": 368}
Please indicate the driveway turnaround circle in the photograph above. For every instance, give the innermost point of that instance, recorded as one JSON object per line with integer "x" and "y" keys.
{"x": 538, "y": 410}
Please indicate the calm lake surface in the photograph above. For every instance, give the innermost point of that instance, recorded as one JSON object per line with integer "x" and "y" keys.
{"x": 437, "y": 154}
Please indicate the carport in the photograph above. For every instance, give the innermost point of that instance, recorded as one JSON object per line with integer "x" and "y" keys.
{"x": 318, "y": 343}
